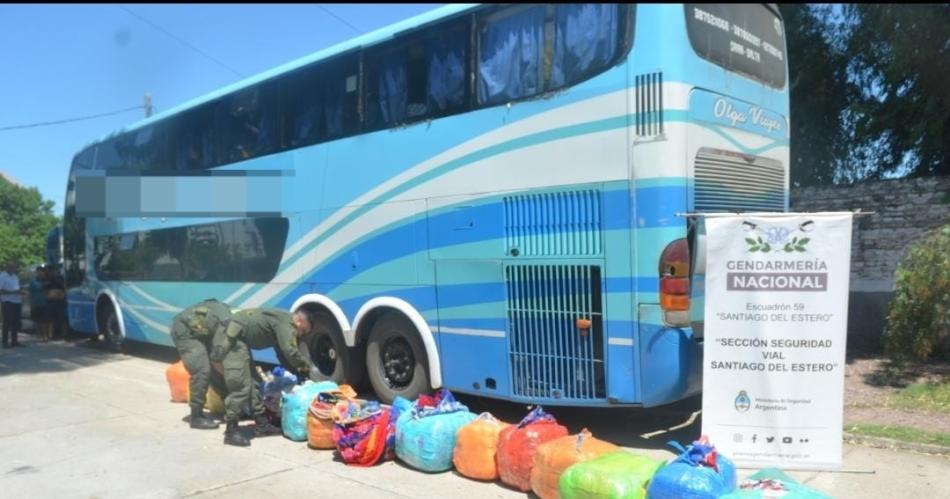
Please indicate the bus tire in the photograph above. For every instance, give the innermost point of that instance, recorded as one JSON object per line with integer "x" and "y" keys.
{"x": 329, "y": 353}
{"x": 110, "y": 330}
{"x": 396, "y": 359}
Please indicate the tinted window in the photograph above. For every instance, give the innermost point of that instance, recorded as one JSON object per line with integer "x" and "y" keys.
{"x": 745, "y": 38}
{"x": 195, "y": 139}
{"x": 586, "y": 40}
{"x": 112, "y": 153}
{"x": 417, "y": 78}
{"x": 74, "y": 236}
{"x": 249, "y": 123}
{"x": 246, "y": 250}
{"x": 148, "y": 147}
{"x": 341, "y": 96}
{"x": 511, "y": 44}
{"x": 302, "y": 107}
{"x": 524, "y": 51}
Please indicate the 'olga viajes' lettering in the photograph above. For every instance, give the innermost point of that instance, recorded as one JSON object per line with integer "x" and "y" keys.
{"x": 756, "y": 115}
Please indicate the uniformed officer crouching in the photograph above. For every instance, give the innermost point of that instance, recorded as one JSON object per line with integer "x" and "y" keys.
{"x": 231, "y": 352}
{"x": 193, "y": 331}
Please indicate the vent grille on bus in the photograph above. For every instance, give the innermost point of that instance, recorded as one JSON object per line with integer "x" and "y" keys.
{"x": 550, "y": 357}
{"x": 728, "y": 182}
{"x": 648, "y": 105}
{"x": 554, "y": 224}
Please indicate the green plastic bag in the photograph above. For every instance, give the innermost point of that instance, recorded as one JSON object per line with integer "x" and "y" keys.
{"x": 618, "y": 475}
{"x": 773, "y": 483}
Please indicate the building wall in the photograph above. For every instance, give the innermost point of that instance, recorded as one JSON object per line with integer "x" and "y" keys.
{"x": 904, "y": 210}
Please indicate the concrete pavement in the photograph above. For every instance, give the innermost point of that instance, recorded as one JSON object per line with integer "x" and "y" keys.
{"x": 80, "y": 422}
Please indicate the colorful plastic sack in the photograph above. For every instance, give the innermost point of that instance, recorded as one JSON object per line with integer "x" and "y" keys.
{"x": 617, "y": 475}
{"x": 296, "y": 404}
{"x": 274, "y": 385}
{"x": 178, "y": 377}
{"x": 364, "y": 431}
{"x": 699, "y": 472}
{"x": 476, "y": 445}
{"x": 772, "y": 482}
{"x": 557, "y": 455}
{"x": 517, "y": 446}
{"x": 320, "y": 417}
{"x": 425, "y": 435}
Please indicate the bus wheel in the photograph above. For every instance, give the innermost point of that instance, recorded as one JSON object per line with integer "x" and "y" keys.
{"x": 329, "y": 352}
{"x": 110, "y": 329}
{"x": 396, "y": 359}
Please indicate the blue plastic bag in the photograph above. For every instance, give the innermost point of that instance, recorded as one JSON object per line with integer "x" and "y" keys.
{"x": 294, "y": 407}
{"x": 274, "y": 384}
{"x": 425, "y": 434}
{"x": 699, "y": 472}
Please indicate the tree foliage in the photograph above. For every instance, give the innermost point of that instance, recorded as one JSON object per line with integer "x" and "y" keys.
{"x": 817, "y": 84}
{"x": 868, "y": 91}
{"x": 25, "y": 220}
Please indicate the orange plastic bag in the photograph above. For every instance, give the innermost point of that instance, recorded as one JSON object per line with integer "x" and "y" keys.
{"x": 178, "y": 378}
{"x": 517, "y": 445}
{"x": 320, "y": 421}
{"x": 475, "y": 447}
{"x": 553, "y": 457}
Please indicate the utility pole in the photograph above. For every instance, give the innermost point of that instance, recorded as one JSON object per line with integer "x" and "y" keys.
{"x": 148, "y": 104}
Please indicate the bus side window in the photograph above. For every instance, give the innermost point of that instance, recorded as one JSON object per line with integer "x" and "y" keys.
{"x": 510, "y": 46}
{"x": 302, "y": 108}
{"x": 586, "y": 38}
{"x": 416, "y": 78}
{"x": 447, "y": 70}
{"x": 195, "y": 134}
{"x": 248, "y": 120}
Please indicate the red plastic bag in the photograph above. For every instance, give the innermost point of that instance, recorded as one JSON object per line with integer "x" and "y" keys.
{"x": 178, "y": 379}
{"x": 517, "y": 446}
{"x": 552, "y": 458}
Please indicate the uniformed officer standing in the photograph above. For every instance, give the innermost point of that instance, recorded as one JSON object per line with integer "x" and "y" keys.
{"x": 256, "y": 329}
{"x": 193, "y": 331}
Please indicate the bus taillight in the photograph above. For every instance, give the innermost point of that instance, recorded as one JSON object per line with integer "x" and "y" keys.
{"x": 674, "y": 283}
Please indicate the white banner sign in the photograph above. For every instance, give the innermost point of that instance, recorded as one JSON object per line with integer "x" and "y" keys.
{"x": 775, "y": 325}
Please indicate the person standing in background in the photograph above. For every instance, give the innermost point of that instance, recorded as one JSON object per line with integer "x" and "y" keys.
{"x": 12, "y": 303}
{"x": 38, "y": 312}
{"x": 55, "y": 290}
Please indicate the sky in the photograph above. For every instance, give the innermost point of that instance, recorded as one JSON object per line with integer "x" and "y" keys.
{"x": 65, "y": 61}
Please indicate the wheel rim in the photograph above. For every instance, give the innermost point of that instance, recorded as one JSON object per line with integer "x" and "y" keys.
{"x": 398, "y": 363}
{"x": 324, "y": 355}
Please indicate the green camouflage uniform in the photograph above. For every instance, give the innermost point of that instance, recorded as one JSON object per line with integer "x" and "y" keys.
{"x": 254, "y": 329}
{"x": 192, "y": 331}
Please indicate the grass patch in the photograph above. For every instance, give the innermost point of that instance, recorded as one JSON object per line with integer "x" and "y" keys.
{"x": 900, "y": 433}
{"x": 933, "y": 397}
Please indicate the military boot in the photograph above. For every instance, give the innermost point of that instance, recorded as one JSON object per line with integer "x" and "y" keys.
{"x": 201, "y": 422}
{"x": 263, "y": 428}
{"x": 232, "y": 435}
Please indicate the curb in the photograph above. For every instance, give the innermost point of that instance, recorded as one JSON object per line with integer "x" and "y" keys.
{"x": 890, "y": 443}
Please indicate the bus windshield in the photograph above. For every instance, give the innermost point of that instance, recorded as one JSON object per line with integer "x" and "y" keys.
{"x": 745, "y": 38}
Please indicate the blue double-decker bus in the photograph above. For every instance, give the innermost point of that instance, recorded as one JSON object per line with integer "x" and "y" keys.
{"x": 487, "y": 198}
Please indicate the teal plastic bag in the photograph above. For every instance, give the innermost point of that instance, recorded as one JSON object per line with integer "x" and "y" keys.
{"x": 618, "y": 475}
{"x": 294, "y": 407}
{"x": 772, "y": 482}
{"x": 425, "y": 434}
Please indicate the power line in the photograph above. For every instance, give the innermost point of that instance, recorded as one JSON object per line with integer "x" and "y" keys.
{"x": 183, "y": 42}
{"x": 69, "y": 120}
{"x": 338, "y": 18}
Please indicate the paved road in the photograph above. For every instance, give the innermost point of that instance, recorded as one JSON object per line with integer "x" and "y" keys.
{"x": 76, "y": 421}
